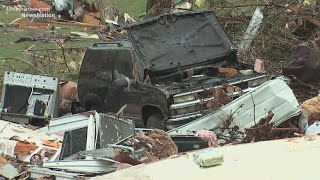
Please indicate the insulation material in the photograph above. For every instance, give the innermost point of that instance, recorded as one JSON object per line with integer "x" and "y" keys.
{"x": 208, "y": 136}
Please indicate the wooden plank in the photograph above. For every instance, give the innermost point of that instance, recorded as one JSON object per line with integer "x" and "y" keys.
{"x": 293, "y": 159}
{"x": 31, "y": 25}
{"x": 75, "y": 23}
{"x": 39, "y": 5}
{"x": 23, "y": 149}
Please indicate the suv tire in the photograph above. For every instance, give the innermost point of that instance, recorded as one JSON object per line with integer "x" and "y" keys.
{"x": 155, "y": 121}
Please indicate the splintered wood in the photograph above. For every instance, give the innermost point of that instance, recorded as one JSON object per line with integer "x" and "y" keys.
{"x": 264, "y": 130}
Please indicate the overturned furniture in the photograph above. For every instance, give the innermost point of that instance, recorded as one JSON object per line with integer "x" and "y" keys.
{"x": 29, "y": 98}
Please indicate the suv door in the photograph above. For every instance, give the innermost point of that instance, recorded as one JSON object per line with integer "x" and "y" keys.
{"x": 123, "y": 65}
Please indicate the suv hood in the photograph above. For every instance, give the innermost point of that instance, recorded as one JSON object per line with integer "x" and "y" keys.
{"x": 181, "y": 40}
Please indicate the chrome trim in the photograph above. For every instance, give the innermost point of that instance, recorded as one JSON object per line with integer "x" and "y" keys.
{"x": 184, "y": 118}
{"x": 237, "y": 82}
{"x": 189, "y": 103}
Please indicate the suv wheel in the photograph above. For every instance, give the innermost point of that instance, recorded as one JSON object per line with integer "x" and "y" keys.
{"x": 155, "y": 121}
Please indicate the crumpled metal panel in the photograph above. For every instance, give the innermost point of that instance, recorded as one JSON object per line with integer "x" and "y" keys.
{"x": 180, "y": 40}
{"x": 113, "y": 129}
{"x": 83, "y": 166}
{"x": 274, "y": 95}
{"x": 36, "y": 172}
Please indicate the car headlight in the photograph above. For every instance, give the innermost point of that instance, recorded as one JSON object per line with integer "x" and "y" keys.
{"x": 186, "y": 98}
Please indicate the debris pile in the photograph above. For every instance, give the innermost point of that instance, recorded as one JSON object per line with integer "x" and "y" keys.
{"x": 170, "y": 72}
{"x": 21, "y": 146}
{"x": 244, "y": 120}
{"x": 264, "y": 130}
{"x": 158, "y": 143}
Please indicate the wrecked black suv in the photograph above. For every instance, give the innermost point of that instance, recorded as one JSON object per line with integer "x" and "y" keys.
{"x": 160, "y": 75}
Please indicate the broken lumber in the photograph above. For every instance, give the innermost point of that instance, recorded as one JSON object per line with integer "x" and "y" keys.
{"x": 75, "y": 23}
{"x": 23, "y": 148}
{"x": 31, "y": 25}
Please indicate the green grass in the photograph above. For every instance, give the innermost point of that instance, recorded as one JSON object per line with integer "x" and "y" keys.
{"x": 132, "y": 7}
{"x": 10, "y": 49}
{"x": 8, "y": 36}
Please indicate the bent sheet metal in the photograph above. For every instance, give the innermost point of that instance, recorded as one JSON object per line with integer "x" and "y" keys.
{"x": 274, "y": 95}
